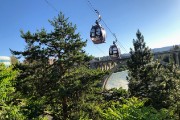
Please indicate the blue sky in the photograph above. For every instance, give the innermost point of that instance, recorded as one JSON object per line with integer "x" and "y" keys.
{"x": 158, "y": 20}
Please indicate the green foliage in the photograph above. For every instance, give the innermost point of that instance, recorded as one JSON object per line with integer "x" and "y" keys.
{"x": 176, "y": 47}
{"x": 115, "y": 94}
{"x": 9, "y": 109}
{"x": 89, "y": 94}
{"x": 175, "y": 54}
{"x": 121, "y": 68}
{"x": 6, "y": 77}
{"x": 60, "y": 87}
{"x": 160, "y": 85}
{"x": 33, "y": 108}
{"x": 133, "y": 109}
{"x": 99, "y": 100}
{"x": 55, "y": 81}
{"x": 150, "y": 79}
{"x": 140, "y": 57}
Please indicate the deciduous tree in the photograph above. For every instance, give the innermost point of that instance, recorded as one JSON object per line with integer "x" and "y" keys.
{"x": 9, "y": 105}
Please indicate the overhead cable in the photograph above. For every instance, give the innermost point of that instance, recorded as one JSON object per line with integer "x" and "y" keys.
{"x": 52, "y": 6}
{"x": 94, "y": 10}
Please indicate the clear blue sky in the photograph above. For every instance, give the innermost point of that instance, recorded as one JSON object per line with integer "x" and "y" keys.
{"x": 158, "y": 20}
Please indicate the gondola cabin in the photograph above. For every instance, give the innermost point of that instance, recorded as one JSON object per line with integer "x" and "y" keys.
{"x": 114, "y": 52}
{"x": 98, "y": 34}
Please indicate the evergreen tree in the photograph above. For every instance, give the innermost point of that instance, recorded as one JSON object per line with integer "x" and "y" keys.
{"x": 141, "y": 55}
{"x": 163, "y": 84}
{"x": 54, "y": 75}
{"x": 175, "y": 54}
{"x": 151, "y": 79}
{"x": 139, "y": 58}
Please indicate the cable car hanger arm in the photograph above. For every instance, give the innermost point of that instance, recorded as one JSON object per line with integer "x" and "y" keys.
{"x": 99, "y": 16}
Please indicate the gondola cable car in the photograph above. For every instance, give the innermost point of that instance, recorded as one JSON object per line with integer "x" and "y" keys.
{"x": 98, "y": 33}
{"x": 114, "y": 51}
{"x": 98, "y": 36}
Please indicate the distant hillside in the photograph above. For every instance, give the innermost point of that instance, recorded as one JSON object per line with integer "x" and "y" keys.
{"x": 127, "y": 55}
{"x": 168, "y": 48}
{"x": 155, "y": 50}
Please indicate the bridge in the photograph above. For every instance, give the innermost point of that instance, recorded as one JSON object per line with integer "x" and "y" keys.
{"x": 105, "y": 63}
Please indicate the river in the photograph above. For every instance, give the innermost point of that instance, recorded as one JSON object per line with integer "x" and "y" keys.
{"x": 117, "y": 80}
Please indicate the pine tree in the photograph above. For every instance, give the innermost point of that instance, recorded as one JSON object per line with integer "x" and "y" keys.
{"x": 55, "y": 86}
{"x": 147, "y": 78}
{"x": 139, "y": 58}
{"x": 175, "y": 54}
